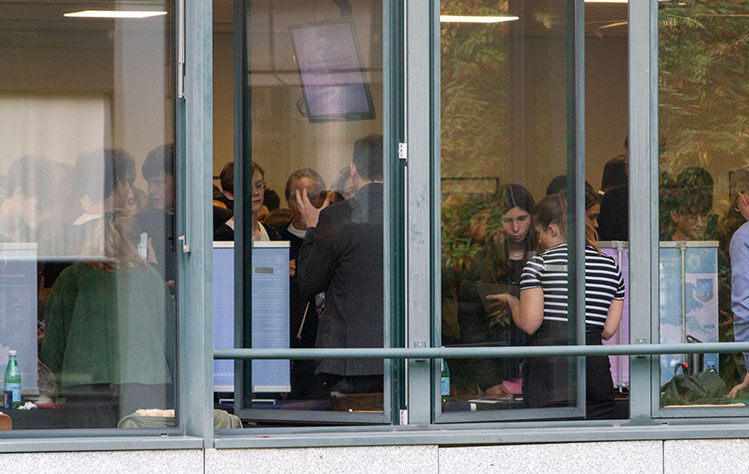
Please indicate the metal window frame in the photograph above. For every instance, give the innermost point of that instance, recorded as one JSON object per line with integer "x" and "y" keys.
{"x": 194, "y": 155}
{"x": 575, "y": 157}
{"x": 195, "y": 348}
{"x": 393, "y": 217}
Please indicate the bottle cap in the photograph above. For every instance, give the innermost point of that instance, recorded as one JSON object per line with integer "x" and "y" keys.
{"x": 11, "y": 353}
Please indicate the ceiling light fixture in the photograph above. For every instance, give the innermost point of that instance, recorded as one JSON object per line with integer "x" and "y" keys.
{"x": 115, "y": 14}
{"x": 476, "y": 19}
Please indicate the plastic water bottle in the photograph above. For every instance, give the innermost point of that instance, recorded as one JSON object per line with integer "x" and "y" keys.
{"x": 12, "y": 383}
{"x": 444, "y": 379}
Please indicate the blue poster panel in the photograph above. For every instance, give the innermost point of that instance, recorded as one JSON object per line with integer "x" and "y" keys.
{"x": 270, "y": 314}
{"x": 18, "y": 310}
{"x": 688, "y": 300}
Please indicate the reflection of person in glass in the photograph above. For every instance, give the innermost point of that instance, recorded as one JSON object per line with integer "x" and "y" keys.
{"x": 739, "y": 251}
{"x": 110, "y": 326}
{"x": 342, "y": 256}
{"x": 158, "y": 222}
{"x": 690, "y": 203}
{"x": 29, "y": 200}
{"x": 542, "y": 312}
{"x": 497, "y": 267}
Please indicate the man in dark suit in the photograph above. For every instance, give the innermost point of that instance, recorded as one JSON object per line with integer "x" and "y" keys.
{"x": 342, "y": 256}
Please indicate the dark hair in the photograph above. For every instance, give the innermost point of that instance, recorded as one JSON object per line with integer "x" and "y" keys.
{"x": 552, "y": 209}
{"x": 559, "y": 184}
{"x": 258, "y": 168}
{"x": 304, "y": 173}
{"x": 278, "y": 218}
{"x": 160, "y": 160}
{"x": 106, "y": 166}
{"x": 693, "y": 192}
{"x": 227, "y": 177}
{"x": 493, "y": 262}
{"x": 614, "y": 173}
{"x": 556, "y": 184}
{"x": 591, "y": 196}
{"x": 217, "y": 194}
{"x": 271, "y": 200}
{"x": 368, "y": 156}
{"x": 34, "y": 176}
{"x": 515, "y": 195}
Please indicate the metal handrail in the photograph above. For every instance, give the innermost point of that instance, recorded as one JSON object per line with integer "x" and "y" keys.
{"x": 482, "y": 352}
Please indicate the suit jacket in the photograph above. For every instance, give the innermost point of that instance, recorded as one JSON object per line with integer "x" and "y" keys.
{"x": 342, "y": 256}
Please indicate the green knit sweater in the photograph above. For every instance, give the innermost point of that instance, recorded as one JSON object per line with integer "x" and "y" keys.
{"x": 109, "y": 327}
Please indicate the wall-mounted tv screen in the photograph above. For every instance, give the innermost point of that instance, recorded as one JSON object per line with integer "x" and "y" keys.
{"x": 332, "y": 77}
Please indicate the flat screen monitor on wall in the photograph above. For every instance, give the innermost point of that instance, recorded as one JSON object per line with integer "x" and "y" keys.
{"x": 330, "y": 70}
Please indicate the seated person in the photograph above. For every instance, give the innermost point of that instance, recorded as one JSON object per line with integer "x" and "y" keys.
{"x": 110, "y": 332}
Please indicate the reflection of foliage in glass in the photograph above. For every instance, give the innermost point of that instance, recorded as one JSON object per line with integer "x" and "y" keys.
{"x": 474, "y": 89}
{"x": 469, "y": 221}
{"x": 704, "y": 81}
{"x": 704, "y": 114}
{"x": 473, "y": 121}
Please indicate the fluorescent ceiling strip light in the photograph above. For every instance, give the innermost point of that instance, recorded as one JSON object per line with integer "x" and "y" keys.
{"x": 476, "y": 19}
{"x": 115, "y": 14}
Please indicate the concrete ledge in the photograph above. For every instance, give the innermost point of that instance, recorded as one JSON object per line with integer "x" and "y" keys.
{"x": 631, "y": 457}
{"x": 105, "y": 462}
{"x": 353, "y": 460}
{"x": 726, "y": 456}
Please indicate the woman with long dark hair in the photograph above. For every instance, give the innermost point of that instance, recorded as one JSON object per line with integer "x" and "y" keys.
{"x": 542, "y": 312}
{"x": 497, "y": 267}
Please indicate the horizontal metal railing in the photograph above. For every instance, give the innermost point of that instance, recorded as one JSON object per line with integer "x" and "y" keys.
{"x": 482, "y": 352}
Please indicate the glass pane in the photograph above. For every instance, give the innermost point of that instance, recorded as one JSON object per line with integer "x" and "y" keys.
{"x": 606, "y": 162}
{"x": 504, "y": 162}
{"x": 704, "y": 107}
{"x": 87, "y": 271}
{"x": 313, "y": 206}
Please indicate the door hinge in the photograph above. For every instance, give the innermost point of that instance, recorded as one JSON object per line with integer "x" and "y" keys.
{"x": 403, "y": 151}
{"x": 404, "y": 416}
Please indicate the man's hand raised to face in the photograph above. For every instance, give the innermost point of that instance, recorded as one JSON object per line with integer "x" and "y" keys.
{"x": 310, "y": 214}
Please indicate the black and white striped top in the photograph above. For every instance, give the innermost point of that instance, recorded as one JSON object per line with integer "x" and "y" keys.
{"x": 603, "y": 283}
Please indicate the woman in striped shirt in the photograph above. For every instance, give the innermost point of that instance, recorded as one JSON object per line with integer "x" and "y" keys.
{"x": 542, "y": 312}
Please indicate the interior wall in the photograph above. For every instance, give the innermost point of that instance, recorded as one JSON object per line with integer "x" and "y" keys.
{"x": 606, "y": 103}
{"x": 60, "y": 98}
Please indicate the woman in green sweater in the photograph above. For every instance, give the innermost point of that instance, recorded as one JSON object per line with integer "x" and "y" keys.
{"x": 110, "y": 332}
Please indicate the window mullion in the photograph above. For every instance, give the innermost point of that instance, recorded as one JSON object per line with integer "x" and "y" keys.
{"x": 643, "y": 182}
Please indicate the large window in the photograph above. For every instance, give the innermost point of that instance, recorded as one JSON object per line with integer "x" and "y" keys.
{"x": 87, "y": 214}
{"x": 512, "y": 241}
{"x": 703, "y": 110}
{"x": 308, "y": 192}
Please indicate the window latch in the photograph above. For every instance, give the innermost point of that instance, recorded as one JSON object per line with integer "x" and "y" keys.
{"x": 403, "y": 151}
